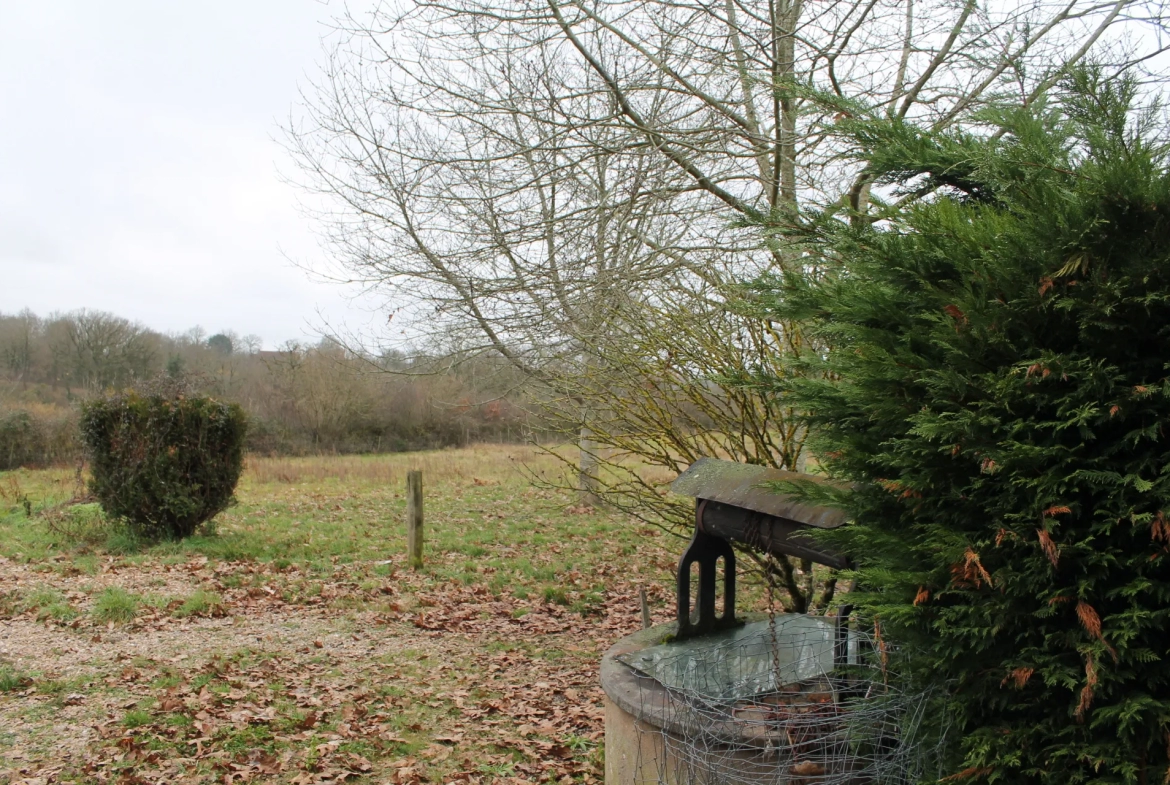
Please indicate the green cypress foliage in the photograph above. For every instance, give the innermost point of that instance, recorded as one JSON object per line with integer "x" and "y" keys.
{"x": 164, "y": 462}
{"x": 996, "y": 388}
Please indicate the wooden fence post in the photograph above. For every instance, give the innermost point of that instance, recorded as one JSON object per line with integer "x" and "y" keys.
{"x": 414, "y": 519}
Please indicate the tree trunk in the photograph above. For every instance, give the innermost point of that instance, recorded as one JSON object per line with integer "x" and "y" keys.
{"x": 784, "y": 18}
{"x": 587, "y": 481}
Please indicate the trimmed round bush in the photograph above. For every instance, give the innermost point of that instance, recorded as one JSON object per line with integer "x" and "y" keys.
{"x": 164, "y": 463}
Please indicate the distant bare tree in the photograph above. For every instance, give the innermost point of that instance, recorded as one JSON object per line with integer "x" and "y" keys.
{"x": 96, "y": 351}
{"x": 19, "y": 343}
{"x": 250, "y": 344}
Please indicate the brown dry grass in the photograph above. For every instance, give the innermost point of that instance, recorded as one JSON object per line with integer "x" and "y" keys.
{"x": 486, "y": 462}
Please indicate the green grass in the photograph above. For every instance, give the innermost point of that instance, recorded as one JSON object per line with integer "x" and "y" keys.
{"x": 201, "y": 681}
{"x": 504, "y": 769}
{"x": 60, "y": 689}
{"x": 201, "y": 603}
{"x": 555, "y": 594}
{"x": 136, "y": 718}
{"x": 48, "y": 603}
{"x": 297, "y": 512}
{"x": 116, "y": 605}
{"x": 302, "y": 523}
{"x": 166, "y": 681}
{"x": 122, "y": 541}
{"x": 588, "y": 604}
{"x": 12, "y": 680}
{"x": 179, "y": 720}
{"x": 248, "y": 739}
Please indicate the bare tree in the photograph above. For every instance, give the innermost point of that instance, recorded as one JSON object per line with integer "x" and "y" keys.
{"x": 742, "y": 120}
{"x": 96, "y": 351}
{"x": 318, "y": 389}
{"x": 19, "y": 336}
{"x": 573, "y": 185}
{"x": 522, "y": 226}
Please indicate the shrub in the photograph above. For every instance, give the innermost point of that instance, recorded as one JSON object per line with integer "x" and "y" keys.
{"x": 164, "y": 462}
{"x": 996, "y": 387}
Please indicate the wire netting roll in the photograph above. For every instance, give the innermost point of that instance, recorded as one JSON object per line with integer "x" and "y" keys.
{"x": 793, "y": 700}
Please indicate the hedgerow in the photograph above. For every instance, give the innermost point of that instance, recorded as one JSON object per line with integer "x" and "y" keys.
{"x": 32, "y": 438}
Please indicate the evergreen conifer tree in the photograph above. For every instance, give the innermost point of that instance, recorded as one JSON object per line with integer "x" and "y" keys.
{"x": 996, "y": 391}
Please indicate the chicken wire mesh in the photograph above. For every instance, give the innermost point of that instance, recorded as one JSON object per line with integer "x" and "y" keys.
{"x": 792, "y": 700}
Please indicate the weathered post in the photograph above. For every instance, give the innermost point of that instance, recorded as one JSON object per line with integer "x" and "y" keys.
{"x": 414, "y": 519}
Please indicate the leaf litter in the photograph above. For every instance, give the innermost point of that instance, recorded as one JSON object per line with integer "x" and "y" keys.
{"x": 302, "y": 678}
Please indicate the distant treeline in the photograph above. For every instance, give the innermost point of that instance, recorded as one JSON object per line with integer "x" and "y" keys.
{"x": 300, "y": 399}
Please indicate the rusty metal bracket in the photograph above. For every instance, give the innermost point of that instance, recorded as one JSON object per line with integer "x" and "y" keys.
{"x": 733, "y": 505}
{"x": 706, "y": 549}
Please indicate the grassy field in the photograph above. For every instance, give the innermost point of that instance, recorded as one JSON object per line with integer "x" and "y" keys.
{"x": 289, "y": 642}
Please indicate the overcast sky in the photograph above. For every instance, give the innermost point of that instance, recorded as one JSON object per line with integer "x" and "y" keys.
{"x": 139, "y": 164}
